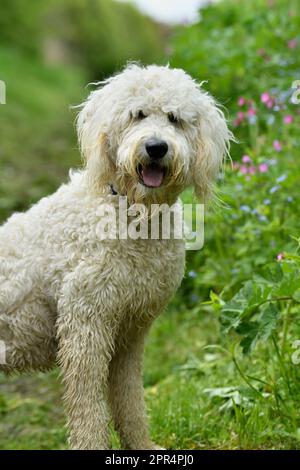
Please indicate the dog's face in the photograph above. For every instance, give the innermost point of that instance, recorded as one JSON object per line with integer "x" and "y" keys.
{"x": 151, "y": 132}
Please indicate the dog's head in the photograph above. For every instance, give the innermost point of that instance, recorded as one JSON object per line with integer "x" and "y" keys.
{"x": 151, "y": 132}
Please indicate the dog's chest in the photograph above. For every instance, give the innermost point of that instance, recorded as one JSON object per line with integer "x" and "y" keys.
{"x": 147, "y": 273}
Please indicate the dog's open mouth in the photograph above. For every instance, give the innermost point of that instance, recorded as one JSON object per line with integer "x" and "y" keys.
{"x": 151, "y": 175}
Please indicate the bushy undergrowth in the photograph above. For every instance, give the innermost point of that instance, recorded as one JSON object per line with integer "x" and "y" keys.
{"x": 248, "y": 274}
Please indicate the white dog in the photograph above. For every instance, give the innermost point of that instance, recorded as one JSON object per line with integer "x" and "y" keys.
{"x": 70, "y": 297}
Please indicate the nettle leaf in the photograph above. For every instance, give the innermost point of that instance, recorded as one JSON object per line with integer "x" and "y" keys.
{"x": 230, "y": 318}
{"x": 244, "y": 304}
{"x": 250, "y": 331}
{"x": 289, "y": 284}
{"x": 261, "y": 329}
{"x": 296, "y": 295}
{"x": 272, "y": 272}
{"x": 268, "y": 321}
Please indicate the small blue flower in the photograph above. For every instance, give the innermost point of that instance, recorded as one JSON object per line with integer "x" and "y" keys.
{"x": 285, "y": 95}
{"x": 270, "y": 119}
{"x": 274, "y": 189}
{"x": 245, "y": 208}
{"x": 252, "y": 119}
{"x": 194, "y": 298}
{"x": 289, "y": 199}
{"x": 281, "y": 178}
{"x": 267, "y": 202}
{"x": 192, "y": 274}
{"x": 262, "y": 218}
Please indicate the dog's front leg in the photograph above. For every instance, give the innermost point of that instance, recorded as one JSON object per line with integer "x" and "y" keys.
{"x": 84, "y": 354}
{"x": 126, "y": 393}
{"x": 84, "y": 358}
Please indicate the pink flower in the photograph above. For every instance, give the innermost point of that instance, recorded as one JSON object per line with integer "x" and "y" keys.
{"x": 277, "y": 146}
{"x": 280, "y": 256}
{"x": 246, "y": 159}
{"x": 252, "y": 170}
{"x": 288, "y": 119}
{"x": 263, "y": 168}
{"x": 240, "y": 118}
{"x": 265, "y": 97}
{"x": 292, "y": 43}
{"x": 261, "y": 51}
{"x": 251, "y": 112}
{"x": 241, "y": 101}
{"x": 244, "y": 170}
{"x": 270, "y": 103}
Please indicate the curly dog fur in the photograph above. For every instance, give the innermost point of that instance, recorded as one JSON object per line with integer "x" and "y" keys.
{"x": 70, "y": 298}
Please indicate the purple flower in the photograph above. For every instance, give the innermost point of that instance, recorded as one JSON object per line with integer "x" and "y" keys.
{"x": 265, "y": 97}
{"x": 292, "y": 43}
{"x": 244, "y": 169}
{"x": 263, "y": 168}
{"x": 251, "y": 112}
{"x": 246, "y": 159}
{"x": 277, "y": 146}
{"x": 288, "y": 119}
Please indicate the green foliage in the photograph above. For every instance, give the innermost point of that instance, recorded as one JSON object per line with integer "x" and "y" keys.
{"x": 253, "y": 312}
{"x": 37, "y": 138}
{"x": 247, "y": 277}
{"x": 240, "y": 47}
{"x": 260, "y": 214}
{"x": 105, "y": 35}
{"x": 101, "y": 35}
{"x": 20, "y": 24}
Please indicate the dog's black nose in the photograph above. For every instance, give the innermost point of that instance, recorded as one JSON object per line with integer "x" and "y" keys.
{"x": 156, "y": 148}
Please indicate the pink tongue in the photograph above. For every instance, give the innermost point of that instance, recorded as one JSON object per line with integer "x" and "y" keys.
{"x": 152, "y": 176}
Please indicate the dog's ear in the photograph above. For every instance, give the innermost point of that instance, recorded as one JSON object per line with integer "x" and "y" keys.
{"x": 94, "y": 144}
{"x": 213, "y": 144}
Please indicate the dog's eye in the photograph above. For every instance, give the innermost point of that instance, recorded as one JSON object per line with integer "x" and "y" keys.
{"x": 141, "y": 115}
{"x": 173, "y": 119}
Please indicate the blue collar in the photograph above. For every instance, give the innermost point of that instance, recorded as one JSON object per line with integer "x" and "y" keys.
{"x": 113, "y": 191}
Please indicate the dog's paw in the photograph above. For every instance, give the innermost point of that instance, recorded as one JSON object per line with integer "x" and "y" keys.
{"x": 156, "y": 447}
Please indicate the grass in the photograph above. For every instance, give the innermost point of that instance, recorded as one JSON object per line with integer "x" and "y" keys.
{"x": 196, "y": 396}
{"x": 37, "y": 136}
